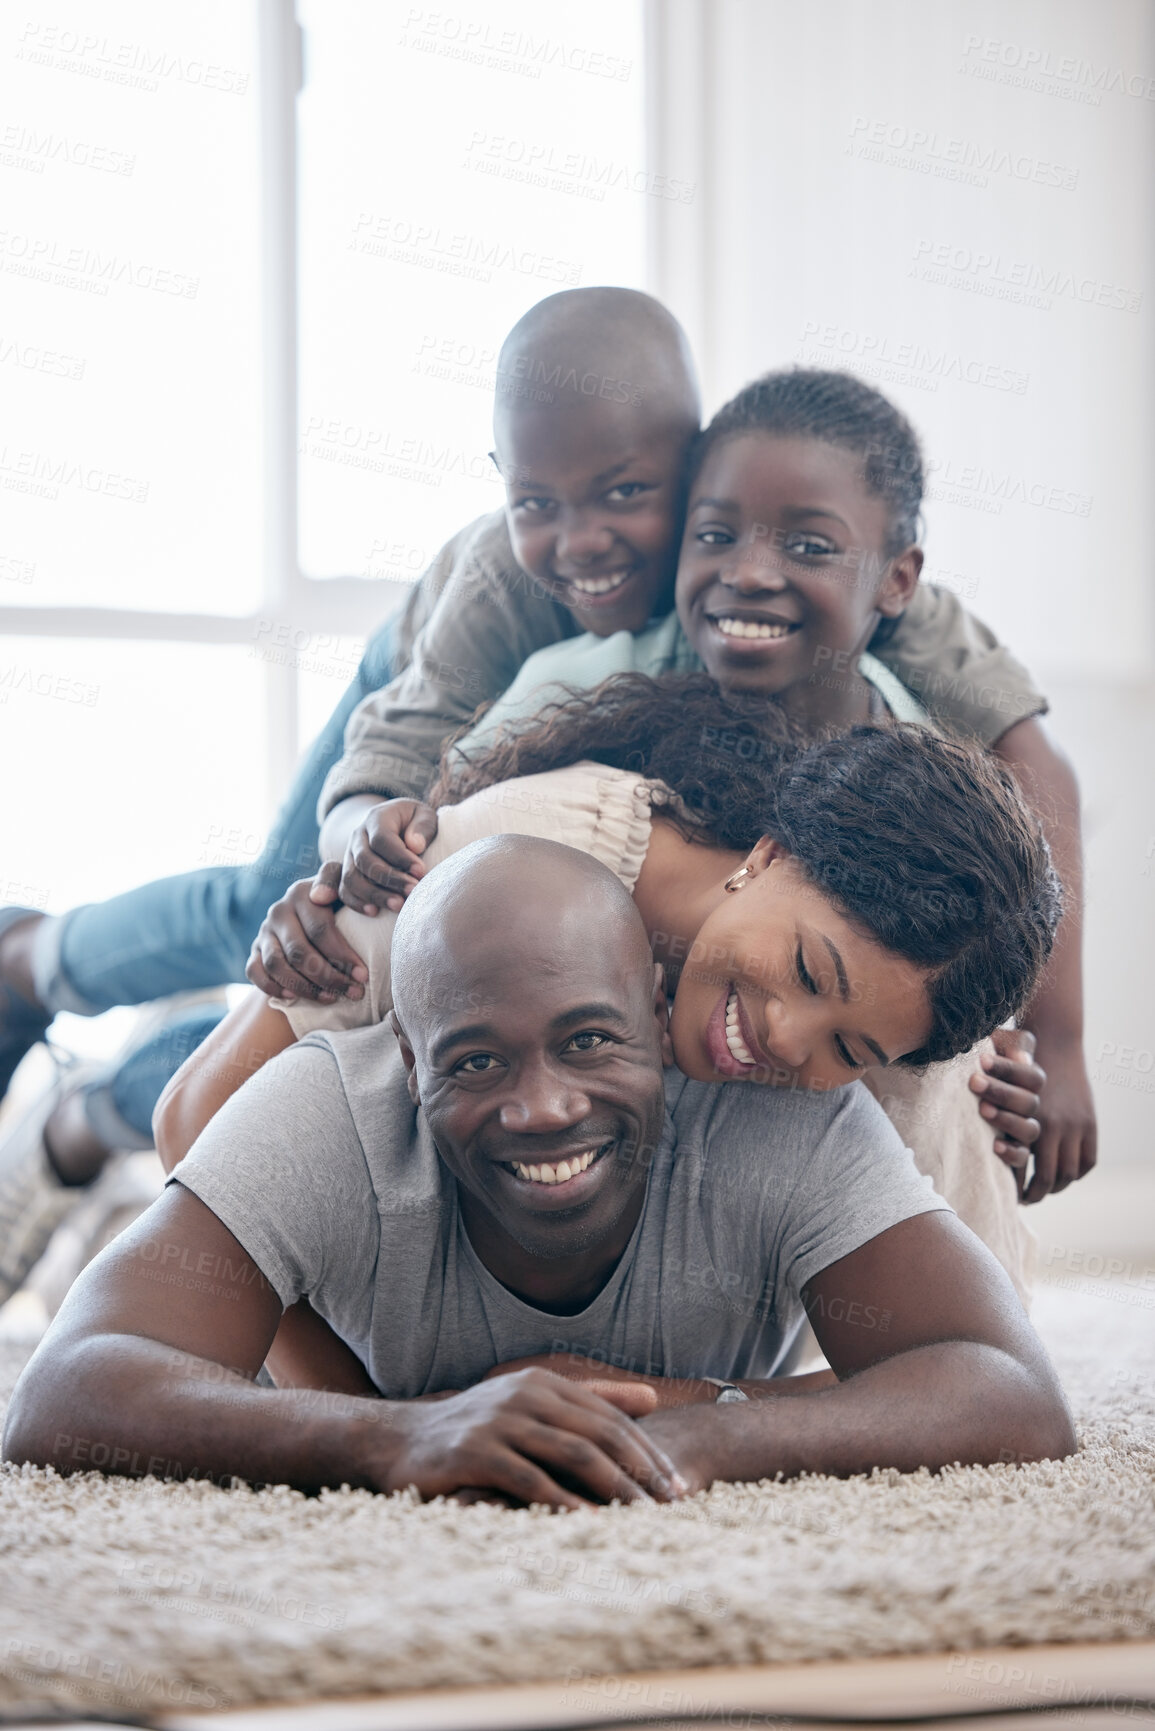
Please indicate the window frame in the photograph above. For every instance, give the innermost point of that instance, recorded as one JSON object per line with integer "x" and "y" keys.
{"x": 342, "y": 605}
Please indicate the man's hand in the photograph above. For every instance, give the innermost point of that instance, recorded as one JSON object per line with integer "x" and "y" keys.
{"x": 382, "y": 860}
{"x": 1067, "y": 1147}
{"x": 1009, "y": 1085}
{"x": 529, "y": 1435}
{"x": 299, "y": 951}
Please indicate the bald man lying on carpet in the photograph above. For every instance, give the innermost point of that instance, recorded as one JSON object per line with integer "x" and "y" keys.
{"x": 512, "y": 1177}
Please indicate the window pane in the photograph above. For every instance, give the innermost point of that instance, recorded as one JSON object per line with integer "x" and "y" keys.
{"x": 129, "y": 349}
{"x": 455, "y": 168}
{"x": 125, "y": 761}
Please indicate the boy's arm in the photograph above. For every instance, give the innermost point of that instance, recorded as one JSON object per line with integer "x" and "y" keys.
{"x": 957, "y": 668}
{"x": 490, "y": 617}
{"x": 958, "y": 1376}
{"x": 1066, "y": 1147}
{"x": 964, "y": 677}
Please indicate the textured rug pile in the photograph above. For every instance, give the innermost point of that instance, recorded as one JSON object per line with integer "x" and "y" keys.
{"x": 166, "y": 1596}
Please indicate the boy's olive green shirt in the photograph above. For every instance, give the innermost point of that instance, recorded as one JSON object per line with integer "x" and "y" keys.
{"x": 476, "y": 617}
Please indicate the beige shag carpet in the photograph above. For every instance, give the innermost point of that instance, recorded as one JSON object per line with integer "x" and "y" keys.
{"x": 153, "y": 1596}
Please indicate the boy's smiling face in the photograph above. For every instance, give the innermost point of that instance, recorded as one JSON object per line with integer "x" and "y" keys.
{"x": 594, "y": 499}
{"x": 784, "y": 573}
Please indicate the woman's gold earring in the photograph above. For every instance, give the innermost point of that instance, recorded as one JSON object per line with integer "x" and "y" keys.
{"x": 734, "y": 881}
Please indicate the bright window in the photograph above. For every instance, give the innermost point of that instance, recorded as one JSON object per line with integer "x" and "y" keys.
{"x": 455, "y": 167}
{"x": 129, "y": 350}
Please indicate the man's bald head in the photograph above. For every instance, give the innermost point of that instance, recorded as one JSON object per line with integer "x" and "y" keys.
{"x": 612, "y": 345}
{"x": 501, "y": 913}
{"x": 532, "y": 1023}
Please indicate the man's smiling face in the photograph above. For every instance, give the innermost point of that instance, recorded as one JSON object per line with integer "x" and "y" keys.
{"x": 536, "y": 1033}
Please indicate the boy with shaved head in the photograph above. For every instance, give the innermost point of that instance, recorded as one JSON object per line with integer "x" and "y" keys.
{"x": 515, "y": 1166}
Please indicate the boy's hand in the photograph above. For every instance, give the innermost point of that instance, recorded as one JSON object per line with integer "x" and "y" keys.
{"x": 382, "y": 862}
{"x": 299, "y": 951}
{"x": 1009, "y": 1084}
{"x": 1068, "y": 1145}
{"x": 528, "y": 1435}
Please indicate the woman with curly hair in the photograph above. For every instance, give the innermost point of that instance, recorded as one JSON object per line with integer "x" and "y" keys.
{"x": 861, "y": 904}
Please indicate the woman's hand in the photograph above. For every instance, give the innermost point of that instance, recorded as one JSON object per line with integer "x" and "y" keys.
{"x": 382, "y": 860}
{"x": 299, "y": 951}
{"x": 1010, "y": 1084}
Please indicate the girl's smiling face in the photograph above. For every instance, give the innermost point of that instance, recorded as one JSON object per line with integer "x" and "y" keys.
{"x": 784, "y": 572}
{"x": 781, "y": 988}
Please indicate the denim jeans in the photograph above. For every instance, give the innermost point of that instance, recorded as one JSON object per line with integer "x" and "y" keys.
{"x": 120, "y": 1104}
{"x": 184, "y": 933}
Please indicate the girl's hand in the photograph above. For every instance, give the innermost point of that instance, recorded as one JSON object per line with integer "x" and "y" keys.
{"x": 382, "y": 862}
{"x": 1009, "y": 1086}
{"x": 299, "y": 951}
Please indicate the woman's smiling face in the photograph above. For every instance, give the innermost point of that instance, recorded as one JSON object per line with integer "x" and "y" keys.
{"x": 783, "y": 573}
{"x": 780, "y": 988}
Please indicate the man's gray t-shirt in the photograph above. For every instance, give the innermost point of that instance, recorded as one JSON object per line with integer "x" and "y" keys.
{"x": 325, "y": 1171}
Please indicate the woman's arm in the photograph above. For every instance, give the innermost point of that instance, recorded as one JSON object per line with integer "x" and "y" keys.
{"x": 237, "y": 1047}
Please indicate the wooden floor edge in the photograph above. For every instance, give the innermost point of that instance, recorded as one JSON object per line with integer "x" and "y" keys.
{"x": 895, "y": 1686}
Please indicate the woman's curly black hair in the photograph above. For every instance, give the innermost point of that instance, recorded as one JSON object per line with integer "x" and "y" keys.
{"x": 923, "y": 842}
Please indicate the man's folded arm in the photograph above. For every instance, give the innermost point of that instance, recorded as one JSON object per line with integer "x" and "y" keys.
{"x": 150, "y": 1367}
{"x": 936, "y": 1364}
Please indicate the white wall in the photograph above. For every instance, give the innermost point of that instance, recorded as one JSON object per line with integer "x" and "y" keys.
{"x": 956, "y": 200}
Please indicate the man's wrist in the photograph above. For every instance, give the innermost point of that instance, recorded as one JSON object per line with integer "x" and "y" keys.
{"x": 372, "y": 1440}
